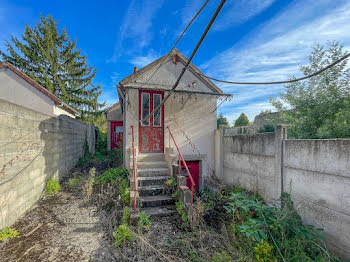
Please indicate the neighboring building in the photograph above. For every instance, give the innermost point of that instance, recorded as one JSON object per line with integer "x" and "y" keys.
{"x": 190, "y": 114}
{"x": 20, "y": 89}
{"x": 114, "y": 116}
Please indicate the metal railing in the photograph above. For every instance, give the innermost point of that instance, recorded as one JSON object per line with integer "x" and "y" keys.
{"x": 181, "y": 159}
{"x": 134, "y": 168}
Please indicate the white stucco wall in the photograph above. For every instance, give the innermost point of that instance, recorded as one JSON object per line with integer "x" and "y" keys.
{"x": 16, "y": 90}
{"x": 194, "y": 119}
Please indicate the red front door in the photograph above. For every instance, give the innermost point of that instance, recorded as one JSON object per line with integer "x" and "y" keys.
{"x": 193, "y": 167}
{"x": 116, "y": 134}
{"x": 151, "y": 137}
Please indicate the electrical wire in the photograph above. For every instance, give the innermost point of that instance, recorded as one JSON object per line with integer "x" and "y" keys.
{"x": 167, "y": 55}
{"x": 217, "y": 11}
{"x": 280, "y": 82}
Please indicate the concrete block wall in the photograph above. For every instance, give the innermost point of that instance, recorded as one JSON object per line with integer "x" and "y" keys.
{"x": 33, "y": 148}
{"x": 253, "y": 161}
{"x": 319, "y": 174}
{"x": 315, "y": 172}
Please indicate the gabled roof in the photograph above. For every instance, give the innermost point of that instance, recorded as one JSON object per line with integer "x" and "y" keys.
{"x": 128, "y": 81}
{"x": 39, "y": 87}
{"x": 112, "y": 107}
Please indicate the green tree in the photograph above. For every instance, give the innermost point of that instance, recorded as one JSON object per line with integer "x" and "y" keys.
{"x": 222, "y": 121}
{"x": 320, "y": 106}
{"x": 53, "y": 60}
{"x": 242, "y": 120}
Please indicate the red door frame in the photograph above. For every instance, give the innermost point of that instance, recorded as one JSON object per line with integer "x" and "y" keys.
{"x": 116, "y": 141}
{"x": 152, "y": 134}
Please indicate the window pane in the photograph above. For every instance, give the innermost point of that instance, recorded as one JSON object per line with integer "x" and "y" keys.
{"x": 156, "y": 115}
{"x": 145, "y": 108}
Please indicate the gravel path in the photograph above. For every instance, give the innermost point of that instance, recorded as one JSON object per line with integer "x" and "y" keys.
{"x": 59, "y": 228}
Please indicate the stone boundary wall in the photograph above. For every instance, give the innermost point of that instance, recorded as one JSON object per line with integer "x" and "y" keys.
{"x": 315, "y": 172}
{"x": 33, "y": 148}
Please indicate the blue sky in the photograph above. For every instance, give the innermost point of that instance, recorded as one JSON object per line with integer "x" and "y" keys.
{"x": 252, "y": 40}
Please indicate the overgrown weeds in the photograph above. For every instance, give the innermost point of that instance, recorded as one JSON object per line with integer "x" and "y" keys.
{"x": 263, "y": 232}
{"x": 52, "y": 187}
{"x": 7, "y": 233}
{"x": 88, "y": 187}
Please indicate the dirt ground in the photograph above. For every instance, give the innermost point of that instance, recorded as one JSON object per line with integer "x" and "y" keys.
{"x": 64, "y": 228}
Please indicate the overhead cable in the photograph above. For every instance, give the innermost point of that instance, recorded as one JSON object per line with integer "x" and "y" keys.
{"x": 280, "y": 82}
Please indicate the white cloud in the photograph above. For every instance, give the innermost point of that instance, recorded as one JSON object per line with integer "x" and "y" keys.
{"x": 276, "y": 50}
{"x": 239, "y": 11}
{"x": 136, "y": 27}
{"x": 143, "y": 60}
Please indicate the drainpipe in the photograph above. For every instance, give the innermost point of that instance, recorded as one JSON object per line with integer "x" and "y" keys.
{"x": 120, "y": 94}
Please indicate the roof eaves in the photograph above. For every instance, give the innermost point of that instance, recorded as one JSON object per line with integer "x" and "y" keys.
{"x": 38, "y": 87}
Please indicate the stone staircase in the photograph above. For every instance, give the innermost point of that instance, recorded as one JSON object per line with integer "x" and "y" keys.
{"x": 153, "y": 196}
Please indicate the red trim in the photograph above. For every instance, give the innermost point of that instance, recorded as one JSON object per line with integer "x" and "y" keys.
{"x": 116, "y": 141}
{"x": 150, "y": 129}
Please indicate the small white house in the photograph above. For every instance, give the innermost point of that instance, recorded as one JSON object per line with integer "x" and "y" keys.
{"x": 189, "y": 114}
{"x": 18, "y": 88}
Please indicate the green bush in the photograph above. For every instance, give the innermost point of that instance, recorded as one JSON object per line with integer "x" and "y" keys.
{"x": 52, "y": 186}
{"x": 124, "y": 191}
{"x": 181, "y": 210}
{"x": 74, "y": 183}
{"x": 122, "y": 235}
{"x": 7, "y": 233}
{"x": 110, "y": 176}
{"x": 263, "y": 225}
{"x": 126, "y": 216}
{"x": 144, "y": 222}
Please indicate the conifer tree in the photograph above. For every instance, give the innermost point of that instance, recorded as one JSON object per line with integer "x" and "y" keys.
{"x": 51, "y": 59}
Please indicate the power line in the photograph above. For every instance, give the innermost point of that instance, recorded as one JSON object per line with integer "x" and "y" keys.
{"x": 280, "y": 82}
{"x": 218, "y": 9}
{"x": 174, "y": 45}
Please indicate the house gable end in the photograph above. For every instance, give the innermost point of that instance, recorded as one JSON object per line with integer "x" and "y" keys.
{"x": 163, "y": 73}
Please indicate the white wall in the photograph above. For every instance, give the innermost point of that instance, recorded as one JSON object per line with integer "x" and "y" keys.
{"x": 195, "y": 119}
{"x": 16, "y": 90}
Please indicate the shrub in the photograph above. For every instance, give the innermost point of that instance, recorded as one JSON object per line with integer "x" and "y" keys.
{"x": 75, "y": 182}
{"x": 124, "y": 191}
{"x": 144, "y": 222}
{"x": 263, "y": 252}
{"x": 122, "y": 235}
{"x": 110, "y": 176}
{"x": 180, "y": 208}
{"x": 267, "y": 128}
{"x": 209, "y": 198}
{"x": 126, "y": 216}
{"x": 52, "y": 186}
{"x": 7, "y": 233}
{"x": 280, "y": 225}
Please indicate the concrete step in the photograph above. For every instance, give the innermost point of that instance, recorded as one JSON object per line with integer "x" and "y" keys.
{"x": 152, "y": 190}
{"x": 152, "y": 164}
{"x": 156, "y": 201}
{"x": 150, "y": 181}
{"x": 147, "y": 172}
{"x": 159, "y": 211}
{"x": 144, "y": 157}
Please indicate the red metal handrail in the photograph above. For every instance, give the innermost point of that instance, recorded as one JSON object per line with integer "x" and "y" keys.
{"x": 134, "y": 168}
{"x": 181, "y": 159}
